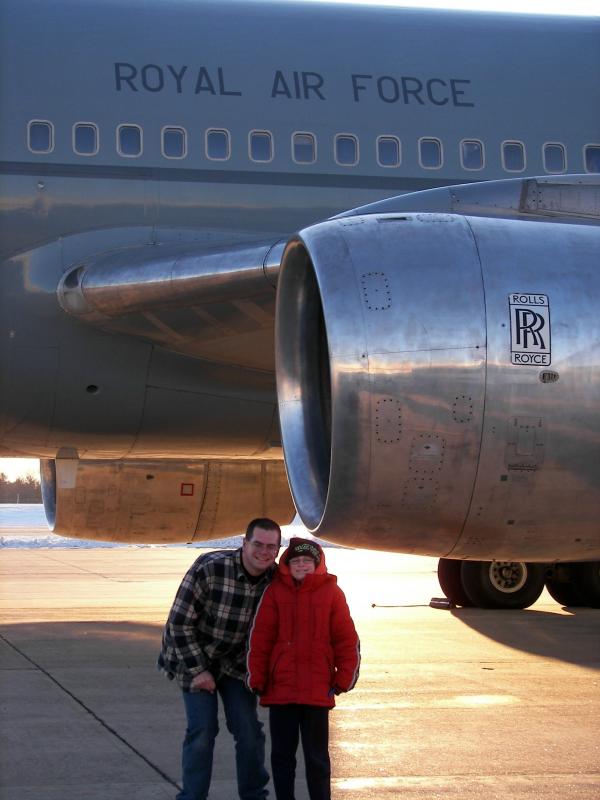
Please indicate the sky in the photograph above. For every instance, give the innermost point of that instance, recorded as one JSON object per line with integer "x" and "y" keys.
{"x": 569, "y": 7}
{"x": 16, "y": 467}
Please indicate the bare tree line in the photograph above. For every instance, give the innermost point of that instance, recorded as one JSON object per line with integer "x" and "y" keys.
{"x": 22, "y": 490}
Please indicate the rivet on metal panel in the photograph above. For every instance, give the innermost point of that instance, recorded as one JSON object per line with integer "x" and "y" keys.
{"x": 427, "y": 453}
{"x": 525, "y": 443}
{"x": 376, "y": 291}
{"x": 388, "y": 420}
{"x": 420, "y": 492}
{"x": 462, "y": 408}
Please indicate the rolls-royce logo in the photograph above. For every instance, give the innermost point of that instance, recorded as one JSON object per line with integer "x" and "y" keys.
{"x": 529, "y": 329}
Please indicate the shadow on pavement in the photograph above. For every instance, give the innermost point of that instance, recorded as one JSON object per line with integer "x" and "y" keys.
{"x": 541, "y": 633}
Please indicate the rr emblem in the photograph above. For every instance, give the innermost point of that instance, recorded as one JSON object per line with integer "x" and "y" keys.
{"x": 529, "y": 329}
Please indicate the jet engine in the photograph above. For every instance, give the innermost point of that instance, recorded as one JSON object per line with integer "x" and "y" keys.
{"x": 439, "y": 384}
{"x": 161, "y": 501}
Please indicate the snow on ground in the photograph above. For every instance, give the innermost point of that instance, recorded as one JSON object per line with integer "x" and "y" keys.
{"x": 22, "y": 515}
{"x": 24, "y": 526}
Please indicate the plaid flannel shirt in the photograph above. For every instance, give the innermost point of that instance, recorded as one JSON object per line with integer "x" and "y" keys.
{"x": 208, "y": 624}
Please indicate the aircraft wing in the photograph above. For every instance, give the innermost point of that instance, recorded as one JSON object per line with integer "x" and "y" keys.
{"x": 206, "y": 456}
{"x": 213, "y": 303}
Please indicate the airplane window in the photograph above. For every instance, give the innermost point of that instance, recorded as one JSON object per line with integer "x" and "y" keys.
{"x": 261, "y": 146}
{"x": 471, "y": 154}
{"x": 554, "y": 158}
{"x": 174, "y": 143}
{"x": 304, "y": 148}
{"x": 346, "y": 149}
{"x": 388, "y": 151}
{"x": 40, "y": 137}
{"x": 430, "y": 153}
{"x": 513, "y": 156}
{"x": 129, "y": 140}
{"x": 218, "y": 147}
{"x": 592, "y": 157}
{"x": 85, "y": 139}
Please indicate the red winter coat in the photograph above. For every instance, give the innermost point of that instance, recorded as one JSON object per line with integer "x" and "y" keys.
{"x": 302, "y": 641}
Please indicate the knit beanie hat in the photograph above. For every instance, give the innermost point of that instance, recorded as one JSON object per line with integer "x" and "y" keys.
{"x": 302, "y": 547}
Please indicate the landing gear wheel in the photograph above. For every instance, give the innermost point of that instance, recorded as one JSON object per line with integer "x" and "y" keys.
{"x": 449, "y": 577}
{"x": 565, "y": 593}
{"x": 562, "y": 586}
{"x": 586, "y": 576}
{"x": 502, "y": 584}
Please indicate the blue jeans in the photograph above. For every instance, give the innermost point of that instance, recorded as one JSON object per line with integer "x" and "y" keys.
{"x": 202, "y": 728}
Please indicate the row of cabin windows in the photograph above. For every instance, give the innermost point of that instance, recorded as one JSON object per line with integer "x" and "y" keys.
{"x": 261, "y": 148}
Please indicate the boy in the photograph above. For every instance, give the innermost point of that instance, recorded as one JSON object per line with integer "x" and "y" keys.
{"x": 303, "y": 650}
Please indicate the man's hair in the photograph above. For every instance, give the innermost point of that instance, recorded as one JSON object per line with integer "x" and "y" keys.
{"x": 262, "y": 522}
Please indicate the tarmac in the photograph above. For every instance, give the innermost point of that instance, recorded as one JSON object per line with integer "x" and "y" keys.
{"x": 459, "y": 704}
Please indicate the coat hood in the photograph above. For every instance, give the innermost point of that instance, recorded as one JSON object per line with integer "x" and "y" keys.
{"x": 284, "y": 570}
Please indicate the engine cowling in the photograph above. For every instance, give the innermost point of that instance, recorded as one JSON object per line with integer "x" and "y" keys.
{"x": 161, "y": 501}
{"x": 439, "y": 384}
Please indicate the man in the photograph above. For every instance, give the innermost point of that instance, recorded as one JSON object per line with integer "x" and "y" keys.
{"x": 204, "y": 648}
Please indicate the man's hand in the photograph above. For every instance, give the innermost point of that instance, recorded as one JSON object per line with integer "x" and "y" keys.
{"x": 203, "y": 682}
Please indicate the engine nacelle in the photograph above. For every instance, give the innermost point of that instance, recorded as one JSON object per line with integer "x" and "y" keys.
{"x": 161, "y": 501}
{"x": 439, "y": 384}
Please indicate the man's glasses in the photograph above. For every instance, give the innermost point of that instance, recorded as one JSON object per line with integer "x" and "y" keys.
{"x": 270, "y": 548}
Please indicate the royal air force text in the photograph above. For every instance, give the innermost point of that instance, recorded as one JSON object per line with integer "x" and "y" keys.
{"x": 295, "y": 85}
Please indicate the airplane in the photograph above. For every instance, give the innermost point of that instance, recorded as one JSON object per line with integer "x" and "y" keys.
{"x": 266, "y": 256}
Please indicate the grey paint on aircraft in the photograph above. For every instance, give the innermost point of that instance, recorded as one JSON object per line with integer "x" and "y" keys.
{"x": 183, "y": 386}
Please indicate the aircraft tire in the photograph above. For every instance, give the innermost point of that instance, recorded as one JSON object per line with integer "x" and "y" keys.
{"x": 565, "y": 593}
{"x": 502, "y": 584}
{"x": 450, "y": 581}
{"x": 586, "y": 576}
{"x": 562, "y": 586}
